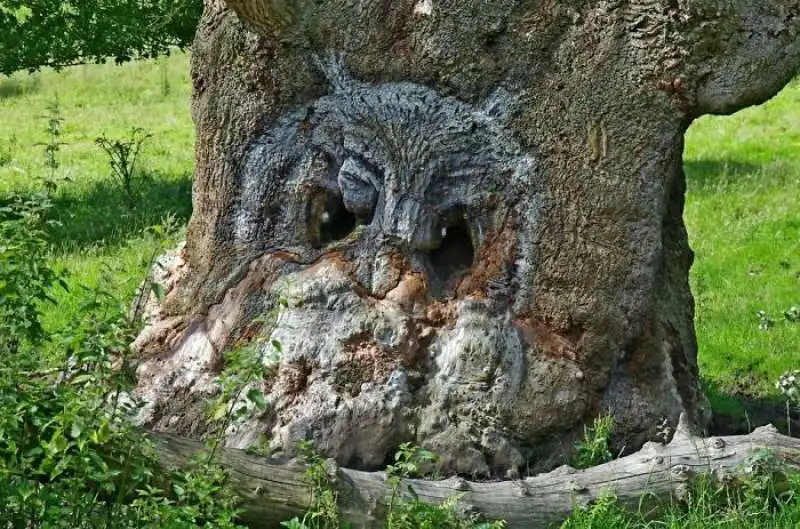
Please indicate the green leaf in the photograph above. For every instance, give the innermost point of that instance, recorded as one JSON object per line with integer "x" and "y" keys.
{"x": 219, "y": 411}
{"x": 82, "y": 379}
{"x": 57, "y": 444}
{"x": 102, "y": 434}
{"x": 256, "y": 396}
{"x": 76, "y": 429}
{"x": 33, "y": 452}
{"x": 294, "y": 523}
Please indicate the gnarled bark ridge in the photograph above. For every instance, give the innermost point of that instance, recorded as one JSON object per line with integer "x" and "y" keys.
{"x": 474, "y": 211}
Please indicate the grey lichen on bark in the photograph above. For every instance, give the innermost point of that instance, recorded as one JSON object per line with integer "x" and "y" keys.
{"x": 475, "y": 210}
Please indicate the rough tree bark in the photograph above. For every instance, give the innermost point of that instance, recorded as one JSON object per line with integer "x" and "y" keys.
{"x": 474, "y": 209}
{"x": 274, "y": 492}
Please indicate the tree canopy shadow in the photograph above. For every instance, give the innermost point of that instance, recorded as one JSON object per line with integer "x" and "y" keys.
{"x": 704, "y": 174}
{"x": 15, "y": 86}
{"x": 103, "y": 214}
{"x": 737, "y": 413}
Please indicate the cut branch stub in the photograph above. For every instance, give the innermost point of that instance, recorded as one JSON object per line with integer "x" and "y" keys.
{"x": 760, "y": 54}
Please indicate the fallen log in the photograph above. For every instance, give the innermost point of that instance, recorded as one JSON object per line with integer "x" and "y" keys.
{"x": 272, "y": 491}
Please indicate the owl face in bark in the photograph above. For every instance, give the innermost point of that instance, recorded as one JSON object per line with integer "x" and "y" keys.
{"x": 399, "y": 224}
{"x": 396, "y": 177}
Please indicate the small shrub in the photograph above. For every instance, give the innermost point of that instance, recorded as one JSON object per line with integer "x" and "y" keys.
{"x": 26, "y": 279}
{"x": 324, "y": 511}
{"x": 410, "y": 460}
{"x": 240, "y": 391}
{"x": 604, "y": 512}
{"x": 408, "y": 511}
{"x": 122, "y": 156}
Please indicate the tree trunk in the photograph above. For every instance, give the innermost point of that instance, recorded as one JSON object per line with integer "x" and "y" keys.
{"x": 274, "y": 492}
{"x": 473, "y": 208}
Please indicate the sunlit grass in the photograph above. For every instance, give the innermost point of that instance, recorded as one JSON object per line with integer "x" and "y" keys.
{"x": 743, "y": 215}
{"x": 102, "y": 239}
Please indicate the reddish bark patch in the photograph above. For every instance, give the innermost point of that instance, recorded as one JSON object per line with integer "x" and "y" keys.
{"x": 496, "y": 255}
{"x": 159, "y": 339}
{"x": 411, "y": 292}
{"x": 440, "y": 314}
{"x": 250, "y": 331}
{"x": 546, "y": 341}
{"x": 367, "y": 361}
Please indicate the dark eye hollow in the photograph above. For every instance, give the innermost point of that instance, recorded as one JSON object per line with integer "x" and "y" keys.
{"x": 328, "y": 219}
{"x": 456, "y": 253}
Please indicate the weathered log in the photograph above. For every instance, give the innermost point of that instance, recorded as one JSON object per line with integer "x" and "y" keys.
{"x": 274, "y": 491}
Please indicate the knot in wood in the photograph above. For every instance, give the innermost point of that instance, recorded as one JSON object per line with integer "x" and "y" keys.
{"x": 723, "y": 476}
{"x": 471, "y": 510}
{"x": 682, "y": 491}
{"x": 467, "y": 510}
{"x": 717, "y": 443}
{"x": 574, "y": 486}
{"x": 681, "y": 472}
{"x": 461, "y": 484}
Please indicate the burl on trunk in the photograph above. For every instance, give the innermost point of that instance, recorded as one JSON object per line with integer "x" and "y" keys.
{"x": 474, "y": 210}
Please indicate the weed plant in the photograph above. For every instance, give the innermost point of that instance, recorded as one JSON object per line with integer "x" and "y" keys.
{"x": 595, "y": 446}
{"x": 122, "y": 155}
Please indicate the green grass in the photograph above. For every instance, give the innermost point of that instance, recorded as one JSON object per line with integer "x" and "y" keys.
{"x": 756, "y": 504}
{"x": 102, "y": 240}
{"x": 743, "y": 215}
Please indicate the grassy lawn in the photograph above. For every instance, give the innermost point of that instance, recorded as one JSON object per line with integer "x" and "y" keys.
{"x": 743, "y": 214}
{"x": 102, "y": 241}
{"x": 743, "y": 207}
